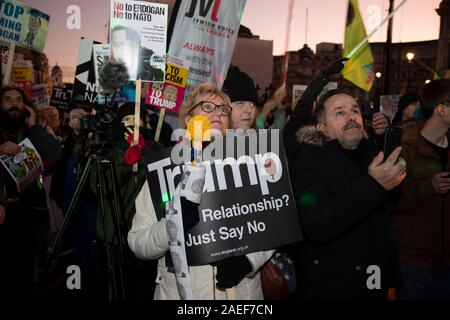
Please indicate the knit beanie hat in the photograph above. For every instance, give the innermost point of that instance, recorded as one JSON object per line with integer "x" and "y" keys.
{"x": 127, "y": 109}
{"x": 406, "y": 100}
{"x": 239, "y": 86}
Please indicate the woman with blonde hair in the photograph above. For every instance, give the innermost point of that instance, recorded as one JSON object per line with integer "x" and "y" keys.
{"x": 209, "y": 101}
{"x": 153, "y": 239}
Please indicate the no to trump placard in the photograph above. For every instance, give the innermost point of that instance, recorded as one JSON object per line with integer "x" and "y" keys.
{"x": 247, "y": 203}
{"x": 169, "y": 95}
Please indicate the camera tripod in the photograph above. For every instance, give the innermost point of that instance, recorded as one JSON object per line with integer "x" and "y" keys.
{"x": 104, "y": 166}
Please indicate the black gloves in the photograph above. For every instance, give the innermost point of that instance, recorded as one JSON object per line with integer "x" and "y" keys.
{"x": 335, "y": 67}
{"x": 190, "y": 214}
{"x": 230, "y": 271}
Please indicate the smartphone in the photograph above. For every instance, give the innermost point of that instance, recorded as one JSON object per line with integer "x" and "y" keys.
{"x": 392, "y": 140}
{"x": 375, "y": 106}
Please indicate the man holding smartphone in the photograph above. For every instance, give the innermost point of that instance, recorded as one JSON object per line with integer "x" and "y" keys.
{"x": 340, "y": 190}
{"x": 422, "y": 217}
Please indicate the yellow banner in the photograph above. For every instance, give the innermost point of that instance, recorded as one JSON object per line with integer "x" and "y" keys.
{"x": 22, "y": 74}
{"x": 176, "y": 75}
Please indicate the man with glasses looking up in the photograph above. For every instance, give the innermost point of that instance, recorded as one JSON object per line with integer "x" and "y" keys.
{"x": 422, "y": 217}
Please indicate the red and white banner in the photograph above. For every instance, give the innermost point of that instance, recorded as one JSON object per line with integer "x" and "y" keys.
{"x": 204, "y": 36}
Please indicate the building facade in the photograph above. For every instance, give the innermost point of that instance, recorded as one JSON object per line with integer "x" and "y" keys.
{"x": 254, "y": 57}
{"x": 443, "y": 57}
{"x": 430, "y": 58}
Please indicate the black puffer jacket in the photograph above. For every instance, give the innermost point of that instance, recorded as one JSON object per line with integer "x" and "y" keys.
{"x": 345, "y": 221}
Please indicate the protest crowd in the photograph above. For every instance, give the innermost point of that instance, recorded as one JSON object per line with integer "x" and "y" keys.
{"x": 81, "y": 186}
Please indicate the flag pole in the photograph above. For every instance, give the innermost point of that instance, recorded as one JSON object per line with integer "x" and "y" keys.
{"x": 162, "y": 113}
{"x": 286, "y": 42}
{"x": 137, "y": 118}
{"x": 387, "y": 53}
{"x": 363, "y": 42}
{"x": 173, "y": 18}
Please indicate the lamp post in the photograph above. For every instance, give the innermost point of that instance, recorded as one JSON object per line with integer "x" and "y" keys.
{"x": 410, "y": 56}
{"x": 376, "y": 100}
{"x": 378, "y": 76}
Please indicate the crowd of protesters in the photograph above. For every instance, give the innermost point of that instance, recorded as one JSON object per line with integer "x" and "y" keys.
{"x": 357, "y": 207}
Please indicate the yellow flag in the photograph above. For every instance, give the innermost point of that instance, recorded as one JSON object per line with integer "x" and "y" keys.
{"x": 359, "y": 69}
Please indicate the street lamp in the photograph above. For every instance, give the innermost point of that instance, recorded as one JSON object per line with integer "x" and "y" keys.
{"x": 377, "y": 92}
{"x": 410, "y": 56}
{"x": 427, "y": 81}
{"x": 378, "y": 76}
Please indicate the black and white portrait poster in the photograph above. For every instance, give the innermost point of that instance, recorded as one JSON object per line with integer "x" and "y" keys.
{"x": 138, "y": 36}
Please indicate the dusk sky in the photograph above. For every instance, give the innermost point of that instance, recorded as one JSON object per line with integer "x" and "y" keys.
{"x": 417, "y": 20}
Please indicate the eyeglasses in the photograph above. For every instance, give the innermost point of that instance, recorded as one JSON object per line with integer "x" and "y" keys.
{"x": 209, "y": 107}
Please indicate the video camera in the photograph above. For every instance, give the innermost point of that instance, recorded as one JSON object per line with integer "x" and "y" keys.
{"x": 101, "y": 121}
{"x": 98, "y": 127}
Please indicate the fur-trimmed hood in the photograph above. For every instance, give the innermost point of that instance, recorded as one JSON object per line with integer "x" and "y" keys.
{"x": 310, "y": 135}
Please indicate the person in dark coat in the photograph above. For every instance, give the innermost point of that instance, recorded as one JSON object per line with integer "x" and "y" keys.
{"x": 22, "y": 235}
{"x": 421, "y": 219}
{"x": 340, "y": 190}
{"x": 303, "y": 115}
{"x": 138, "y": 275}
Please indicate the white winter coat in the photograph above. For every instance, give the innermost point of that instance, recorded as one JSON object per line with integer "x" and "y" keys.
{"x": 148, "y": 240}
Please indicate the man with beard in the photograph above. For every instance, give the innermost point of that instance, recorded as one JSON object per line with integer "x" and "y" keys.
{"x": 340, "y": 189}
{"x": 23, "y": 230}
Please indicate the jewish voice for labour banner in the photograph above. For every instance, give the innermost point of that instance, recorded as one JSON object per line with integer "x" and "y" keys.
{"x": 245, "y": 207}
{"x": 204, "y": 36}
{"x": 23, "y": 25}
{"x": 138, "y": 38}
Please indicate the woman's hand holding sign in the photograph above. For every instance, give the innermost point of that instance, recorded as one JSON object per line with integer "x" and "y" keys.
{"x": 193, "y": 174}
{"x": 231, "y": 271}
